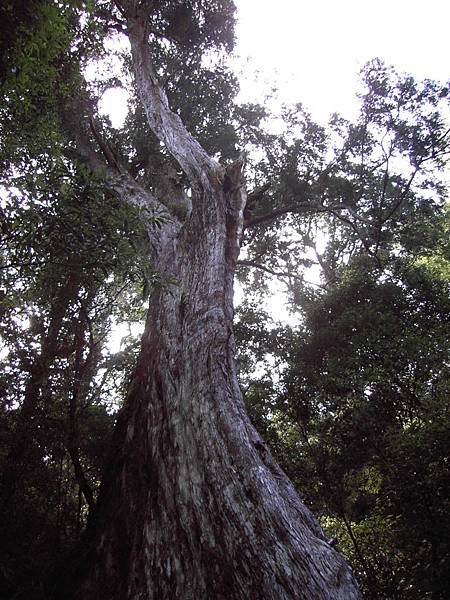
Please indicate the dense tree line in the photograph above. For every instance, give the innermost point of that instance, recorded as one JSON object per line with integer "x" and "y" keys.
{"x": 351, "y": 401}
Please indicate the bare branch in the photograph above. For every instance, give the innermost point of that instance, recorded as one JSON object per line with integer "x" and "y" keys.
{"x": 403, "y": 195}
{"x": 109, "y": 155}
{"x": 279, "y": 212}
{"x": 279, "y": 274}
{"x": 356, "y": 230}
{"x": 353, "y": 213}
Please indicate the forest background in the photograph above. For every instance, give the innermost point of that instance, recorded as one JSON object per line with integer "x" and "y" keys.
{"x": 351, "y": 393}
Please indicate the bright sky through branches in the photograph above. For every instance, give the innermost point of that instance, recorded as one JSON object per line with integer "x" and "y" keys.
{"x": 312, "y": 50}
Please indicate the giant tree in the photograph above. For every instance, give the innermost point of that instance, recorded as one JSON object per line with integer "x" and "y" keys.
{"x": 192, "y": 504}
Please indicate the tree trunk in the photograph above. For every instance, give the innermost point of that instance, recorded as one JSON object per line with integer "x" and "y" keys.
{"x": 193, "y": 505}
{"x": 23, "y": 442}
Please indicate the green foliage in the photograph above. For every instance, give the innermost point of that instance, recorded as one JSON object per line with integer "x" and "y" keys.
{"x": 366, "y": 389}
{"x": 359, "y": 418}
{"x": 352, "y": 400}
{"x": 68, "y": 254}
{"x": 437, "y": 260}
{"x": 372, "y": 187}
{"x": 32, "y": 71}
{"x": 195, "y": 25}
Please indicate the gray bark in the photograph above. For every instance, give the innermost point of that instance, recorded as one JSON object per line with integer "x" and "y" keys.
{"x": 192, "y": 504}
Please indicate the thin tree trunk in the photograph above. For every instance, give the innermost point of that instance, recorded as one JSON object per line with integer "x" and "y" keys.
{"x": 370, "y": 575}
{"x": 83, "y": 373}
{"x": 193, "y": 505}
{"x": 23, "y": 443}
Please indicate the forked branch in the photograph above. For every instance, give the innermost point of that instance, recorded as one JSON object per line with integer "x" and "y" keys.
{"x": 117, "y": 179}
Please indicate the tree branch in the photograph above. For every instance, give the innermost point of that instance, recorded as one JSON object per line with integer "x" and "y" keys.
{"x": 105, "y": 148}
{"x": 302, "y": 207}
{"x": 272, "y": 216}
{"x": 165, "y": 124}
{"x": 257, "y": 193}
{"x": 116, "y": 178}
{"x": 279, "y": 274}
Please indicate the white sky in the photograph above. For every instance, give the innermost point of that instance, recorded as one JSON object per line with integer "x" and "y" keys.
{"x": 312, "y": 50}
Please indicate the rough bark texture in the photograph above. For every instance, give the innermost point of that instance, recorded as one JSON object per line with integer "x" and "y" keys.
{"x": 193, "y": 506}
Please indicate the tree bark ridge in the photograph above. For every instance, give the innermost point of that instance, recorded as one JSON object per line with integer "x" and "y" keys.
{"x": 193, "y": 505}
